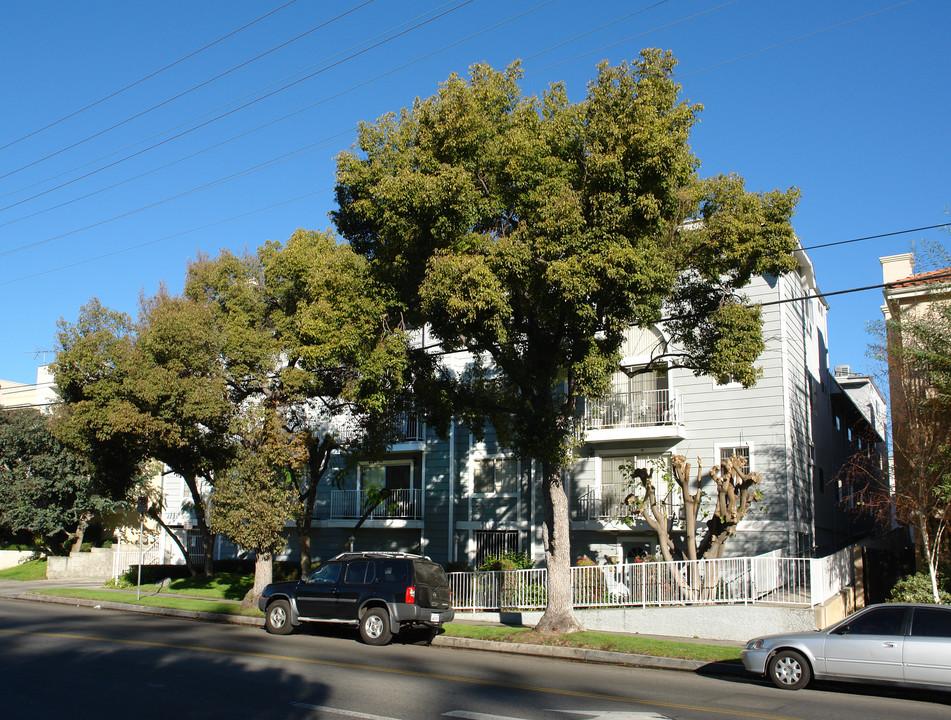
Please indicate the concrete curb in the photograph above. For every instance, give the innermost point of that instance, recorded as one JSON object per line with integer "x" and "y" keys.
{"x": 144, "y": 609}
{"x": 551, "y": 651}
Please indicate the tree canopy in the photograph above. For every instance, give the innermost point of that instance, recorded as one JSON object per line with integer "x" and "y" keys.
{"x": 532, "y": 231}
{"x": 46, "y": 489}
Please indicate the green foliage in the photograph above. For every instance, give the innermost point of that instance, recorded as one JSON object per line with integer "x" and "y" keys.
{"x": 532, "y": 231}
{"x": 511, "y": 560}
{"x": 916, "y": 588}
{"x": 46, "y": 489}
{"x": 254, "y": 497}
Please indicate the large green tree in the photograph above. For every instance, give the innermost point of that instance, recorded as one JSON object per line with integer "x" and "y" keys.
{"x": 530, "y": 232}
{"x": 148, "y": 390}
{"x": 46, "y": 489}
{"x": 305, "y": 335}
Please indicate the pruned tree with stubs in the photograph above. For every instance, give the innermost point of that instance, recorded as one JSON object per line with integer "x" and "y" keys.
{"x": 688, "y": 536}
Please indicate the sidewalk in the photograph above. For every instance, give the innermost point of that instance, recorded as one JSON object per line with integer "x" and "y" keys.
{"x": 32, "y": 591}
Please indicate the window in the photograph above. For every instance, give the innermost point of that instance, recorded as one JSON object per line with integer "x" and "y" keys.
{"x": 880, "y": 621}
{"x": 357, "y": 573}
{"x": 931, "y": 622}
{"x": 325, "y": 573}
{"x": 494, "y": 543}
{"x": 495, "y": 475}
{"x": 744, "y": 451}
{"x": 393, "y": 476}
{"x": 393, "y": 571}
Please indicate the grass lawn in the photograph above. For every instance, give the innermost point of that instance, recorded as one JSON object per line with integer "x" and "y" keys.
{"x": 155, "y": 600}
{"x": 600, "y": 641}
{"x": 223, "y": 586}
{"x": 31, "y": 570}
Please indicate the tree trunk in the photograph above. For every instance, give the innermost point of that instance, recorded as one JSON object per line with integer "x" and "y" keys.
{"x": 559, "y": 616}
{"x": 263, "y": 576}
{"x": 318, "y": 459}
{"x": 80, "y": 532}
{"x": 157, "y": 517}
{"x": 207, "y": 539}
{"x": 929, "y": 557}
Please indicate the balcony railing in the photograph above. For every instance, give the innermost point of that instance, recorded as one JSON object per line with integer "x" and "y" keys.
{"x": 607, "y": 503}
{"x": 414, "y": 429}
{"x": 634, "y": 409}
{"x": 402, "y": 504}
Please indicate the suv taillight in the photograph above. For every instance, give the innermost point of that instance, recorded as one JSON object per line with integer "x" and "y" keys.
{"x": 410, "y": 595}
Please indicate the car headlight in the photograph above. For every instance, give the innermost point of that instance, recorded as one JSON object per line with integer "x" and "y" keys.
{"x": 758, "y": 644}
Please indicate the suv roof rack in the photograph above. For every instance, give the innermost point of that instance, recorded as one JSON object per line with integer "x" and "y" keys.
{"x": 378, "y": 553}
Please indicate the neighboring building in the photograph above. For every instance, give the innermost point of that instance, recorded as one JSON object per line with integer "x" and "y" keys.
{"x": 41, "y": 396}
{"x": 860, "y": 416}
{"x": 459, "y": 498}
{"x": 916, "y": 442}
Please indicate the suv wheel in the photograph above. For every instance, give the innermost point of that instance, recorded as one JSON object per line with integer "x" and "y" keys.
{"x": 277, "y": 619}
{"x": 375, "y": 627}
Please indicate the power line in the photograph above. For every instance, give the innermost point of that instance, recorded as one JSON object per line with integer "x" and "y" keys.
{"x": 271, "y": 122}
{"x": 163, "y": 239}
{"x": 876, "y": 237}
{"x": 147, "y": 77}
{"x": 461, "y": 4}
{"x": 171, "y": 99}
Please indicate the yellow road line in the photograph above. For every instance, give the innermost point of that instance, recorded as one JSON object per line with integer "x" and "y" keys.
{"x": 410, "y": 673}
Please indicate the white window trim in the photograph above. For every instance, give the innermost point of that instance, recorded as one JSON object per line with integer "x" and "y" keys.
{"x": 717, "y": 447}
{"x": 480, "y": 454}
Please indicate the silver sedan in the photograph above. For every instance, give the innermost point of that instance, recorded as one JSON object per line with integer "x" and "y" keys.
{"x": 897, "y": 643}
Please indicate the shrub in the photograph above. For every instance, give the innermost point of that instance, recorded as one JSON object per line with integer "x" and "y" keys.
{"x": 917, "y": 588}
{"x": 507, "y": 561}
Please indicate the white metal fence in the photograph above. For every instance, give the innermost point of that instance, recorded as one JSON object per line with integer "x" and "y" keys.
{"x": 764, "y": 579}
{"x": 122, "y": 560}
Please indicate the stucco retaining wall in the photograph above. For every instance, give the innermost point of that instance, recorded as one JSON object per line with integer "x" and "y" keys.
{"x": 12, "y": 558}
{"x": 86, "y": 565}
{"x": 737, "y": 623}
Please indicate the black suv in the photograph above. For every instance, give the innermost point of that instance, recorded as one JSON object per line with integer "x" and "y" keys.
{"x": 380, "y": 592}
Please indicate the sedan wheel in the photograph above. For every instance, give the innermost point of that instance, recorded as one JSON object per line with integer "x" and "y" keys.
{"x": 789, "y": 670}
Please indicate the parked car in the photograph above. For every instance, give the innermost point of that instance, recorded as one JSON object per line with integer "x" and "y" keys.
{"x": 896, "y": 643}
{"x": 381, "y": 593}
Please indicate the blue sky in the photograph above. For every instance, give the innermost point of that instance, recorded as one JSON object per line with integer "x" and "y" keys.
{"x": 108, "y": 185}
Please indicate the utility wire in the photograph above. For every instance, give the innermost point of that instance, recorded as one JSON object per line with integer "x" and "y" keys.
{"x": 797, "y": 39}
{"x": 222, "y": 107}
{"x": 876, "y": 237}
{"x": 173, "y": 98}
{"x": 461, "y": 4}
{"x": 147, "y": 77}
{"x": 166, "y": 237}
{"x": 280, "y": 119}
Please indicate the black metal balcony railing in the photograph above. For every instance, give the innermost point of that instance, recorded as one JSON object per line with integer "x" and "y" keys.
{"x": 634, "y": 409}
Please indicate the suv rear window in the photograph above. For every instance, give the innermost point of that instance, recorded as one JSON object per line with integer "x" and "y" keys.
{"x": 430, "y": 574}
{"x": 393, "y": 571}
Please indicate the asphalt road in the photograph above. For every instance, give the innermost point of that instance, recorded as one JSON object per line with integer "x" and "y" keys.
{"x": 76, "y": 662}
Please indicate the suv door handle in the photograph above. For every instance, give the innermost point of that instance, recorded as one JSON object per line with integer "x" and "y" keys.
{"x": 889, "y": 644}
